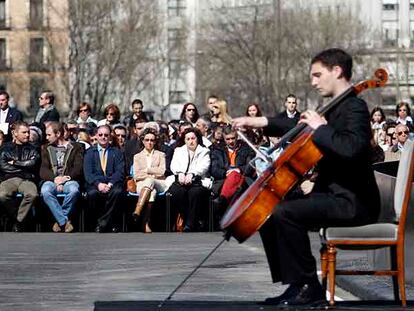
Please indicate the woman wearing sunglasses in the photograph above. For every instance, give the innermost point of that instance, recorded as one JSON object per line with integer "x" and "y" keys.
{"x": 112, "y": 116}
{"x": 403, "y": 114}
{"x": 189, "y": 113}
{"x": 149, "y": 168}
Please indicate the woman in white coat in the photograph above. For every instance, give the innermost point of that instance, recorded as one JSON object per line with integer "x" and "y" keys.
{"x": 189, "y": 184}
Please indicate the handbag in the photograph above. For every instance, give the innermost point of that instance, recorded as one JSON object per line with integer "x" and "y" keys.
{"x": 131, "y": 186}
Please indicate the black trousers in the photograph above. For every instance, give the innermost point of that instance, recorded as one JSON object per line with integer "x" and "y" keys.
{"x": 285, "y": 234}
{"x": 189, "y": 200}
{"x": 105, "y": 207}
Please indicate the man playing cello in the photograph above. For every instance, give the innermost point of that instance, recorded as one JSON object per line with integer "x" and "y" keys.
{"x": 345, "y": 191}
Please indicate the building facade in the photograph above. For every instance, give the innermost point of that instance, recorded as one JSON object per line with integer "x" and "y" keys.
{"x": 33, "y": 51}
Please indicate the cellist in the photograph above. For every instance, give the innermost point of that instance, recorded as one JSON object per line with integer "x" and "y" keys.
{"x": 345, "y": 191}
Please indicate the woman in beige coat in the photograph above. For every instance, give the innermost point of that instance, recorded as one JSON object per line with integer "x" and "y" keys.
{"x": 149, "y": 168}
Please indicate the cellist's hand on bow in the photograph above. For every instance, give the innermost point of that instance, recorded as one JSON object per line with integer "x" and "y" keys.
{"x": 243, "y": 122}
{"x": 312, "y": 119}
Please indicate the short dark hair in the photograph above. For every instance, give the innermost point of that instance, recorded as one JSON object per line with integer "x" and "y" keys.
{"x": 136, "y": 102}
{"x": 18, "y": 124}
{"x": 56, "y": 127}
{"x": 335, "y": 57}
{"x": 49, "y": 94}
{"x": 5, "y": 94}
{"x": 291, "y": 96}
{"x": 402, "y": 104}
{"x": 196, "y": 132}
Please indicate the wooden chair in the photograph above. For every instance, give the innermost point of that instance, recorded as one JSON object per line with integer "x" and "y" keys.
{"x": 374, "y": 236}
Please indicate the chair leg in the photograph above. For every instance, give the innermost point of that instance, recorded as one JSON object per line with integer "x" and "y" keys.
{"x": 331, "y": 273}
{"x": 394, "y": 267}
{"x": 324, "y": 266}
{"x": 401, "y": 273}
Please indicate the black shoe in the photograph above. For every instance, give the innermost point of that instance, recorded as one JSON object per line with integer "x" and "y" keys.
{"x": 99, "y": 229}
{"x": 309, "y": 294}
{"x": 290, "y": 292}
{"x": 114, "y": 230}
{"x": 187, "y": 229}
{"x": 18, "y": 227}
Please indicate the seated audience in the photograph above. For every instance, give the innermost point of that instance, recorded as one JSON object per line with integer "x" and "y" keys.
{"x": 189, "y": 113}
{"x": 61, "y": 172}
{"x": 112, "y": 116}
{"x": 394, "y": 153}
{"x": 189, "y": 184}
{"x": 19, "y": 169}
{"x": 103, "y": 168}
{"x": 149, "y": 169}
{"x": 219, "y": 113}
{"x": 84, "y": 113}
{"x": 203, "y": 126}
{"x": 403, "y": 113}
{"x": 137, "y": 113}
{"x": 230, "y": 167}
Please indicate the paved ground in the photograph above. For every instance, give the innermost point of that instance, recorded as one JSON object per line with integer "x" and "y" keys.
{"x": 46, "y": 271}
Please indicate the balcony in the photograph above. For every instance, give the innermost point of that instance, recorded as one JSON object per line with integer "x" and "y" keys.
{"x": 38, "y": 66}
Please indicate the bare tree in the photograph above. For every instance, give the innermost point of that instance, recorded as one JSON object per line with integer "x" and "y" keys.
{"x": 246, "y": 57}
{"x": 112, "y": 51}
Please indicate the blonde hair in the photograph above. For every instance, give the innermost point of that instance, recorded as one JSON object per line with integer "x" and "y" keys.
{"x": 223, "y": 116}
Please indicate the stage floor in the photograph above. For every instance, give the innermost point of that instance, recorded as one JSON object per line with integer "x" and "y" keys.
{"x": 70, "y": 272}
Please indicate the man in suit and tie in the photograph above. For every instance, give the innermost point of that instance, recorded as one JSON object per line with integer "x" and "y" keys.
{"x": 291, "y": 115}
{"x": 104, "y": 168}
{"x": 8, "y": 115}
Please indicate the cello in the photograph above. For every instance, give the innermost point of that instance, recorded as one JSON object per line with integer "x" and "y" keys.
{"x": 251, "y": 210}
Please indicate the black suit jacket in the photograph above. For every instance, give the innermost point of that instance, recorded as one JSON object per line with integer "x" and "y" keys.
{"x": 13, "y": 115}
{"x": 51, "y": 115}
{"x": 345, "y": 169}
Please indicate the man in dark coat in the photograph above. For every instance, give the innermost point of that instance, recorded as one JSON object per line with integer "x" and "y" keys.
{"x": 104, "y": 170}
{"x": 230, "y": 167}
{"x": 47, "y": 110}
{"x": 345, "y": 191}
{"x": 291, "y": 114}
{"x": 8, "y": 115}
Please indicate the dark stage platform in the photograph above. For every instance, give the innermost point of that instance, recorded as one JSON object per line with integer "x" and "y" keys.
{"x": 70, "y": 272}
{"x": 239, "y": 306}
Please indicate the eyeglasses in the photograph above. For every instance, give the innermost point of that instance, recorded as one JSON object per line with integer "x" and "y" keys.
{"x": 102, "y": 134}
{"x": 402, "y": 110}
{"x": 110, "y": 114}
{"x": 190, "y": 109}
{"x": 121, "y": 135}
{"x": 149, "y": 140}
{"x": 83, "y": 110}
{"x": 402, "y": 132}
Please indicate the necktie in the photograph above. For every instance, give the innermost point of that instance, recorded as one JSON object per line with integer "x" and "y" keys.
{"x": 103, "y": 160}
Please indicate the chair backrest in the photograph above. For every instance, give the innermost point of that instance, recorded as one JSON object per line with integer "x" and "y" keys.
{"x": 404, "y": 181}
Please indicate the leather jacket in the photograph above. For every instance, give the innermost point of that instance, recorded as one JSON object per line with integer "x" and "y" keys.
{"x": 26, "y": 161}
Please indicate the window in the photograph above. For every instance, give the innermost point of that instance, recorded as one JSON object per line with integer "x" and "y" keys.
{"x": 3, "y": 83}
{"x": 36, "y": 57}
{"x": 176, "y": 39}
{"x": 390, "y": 33}
{"x": 2, "y": 14}
{"x": 37, "y": 85}
{"x": 176, "y": 7}
{"x": 176, "y": 68}
{"x": 389, "y": 7}
{"x": 3, "y": 52}
{"x": 36, "y": 14}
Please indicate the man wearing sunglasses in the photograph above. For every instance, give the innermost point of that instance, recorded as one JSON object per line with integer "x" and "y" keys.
{"x": 401, "y": 133}
{"x": 104, "y": 170}
{"x": 47, "y": 110}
